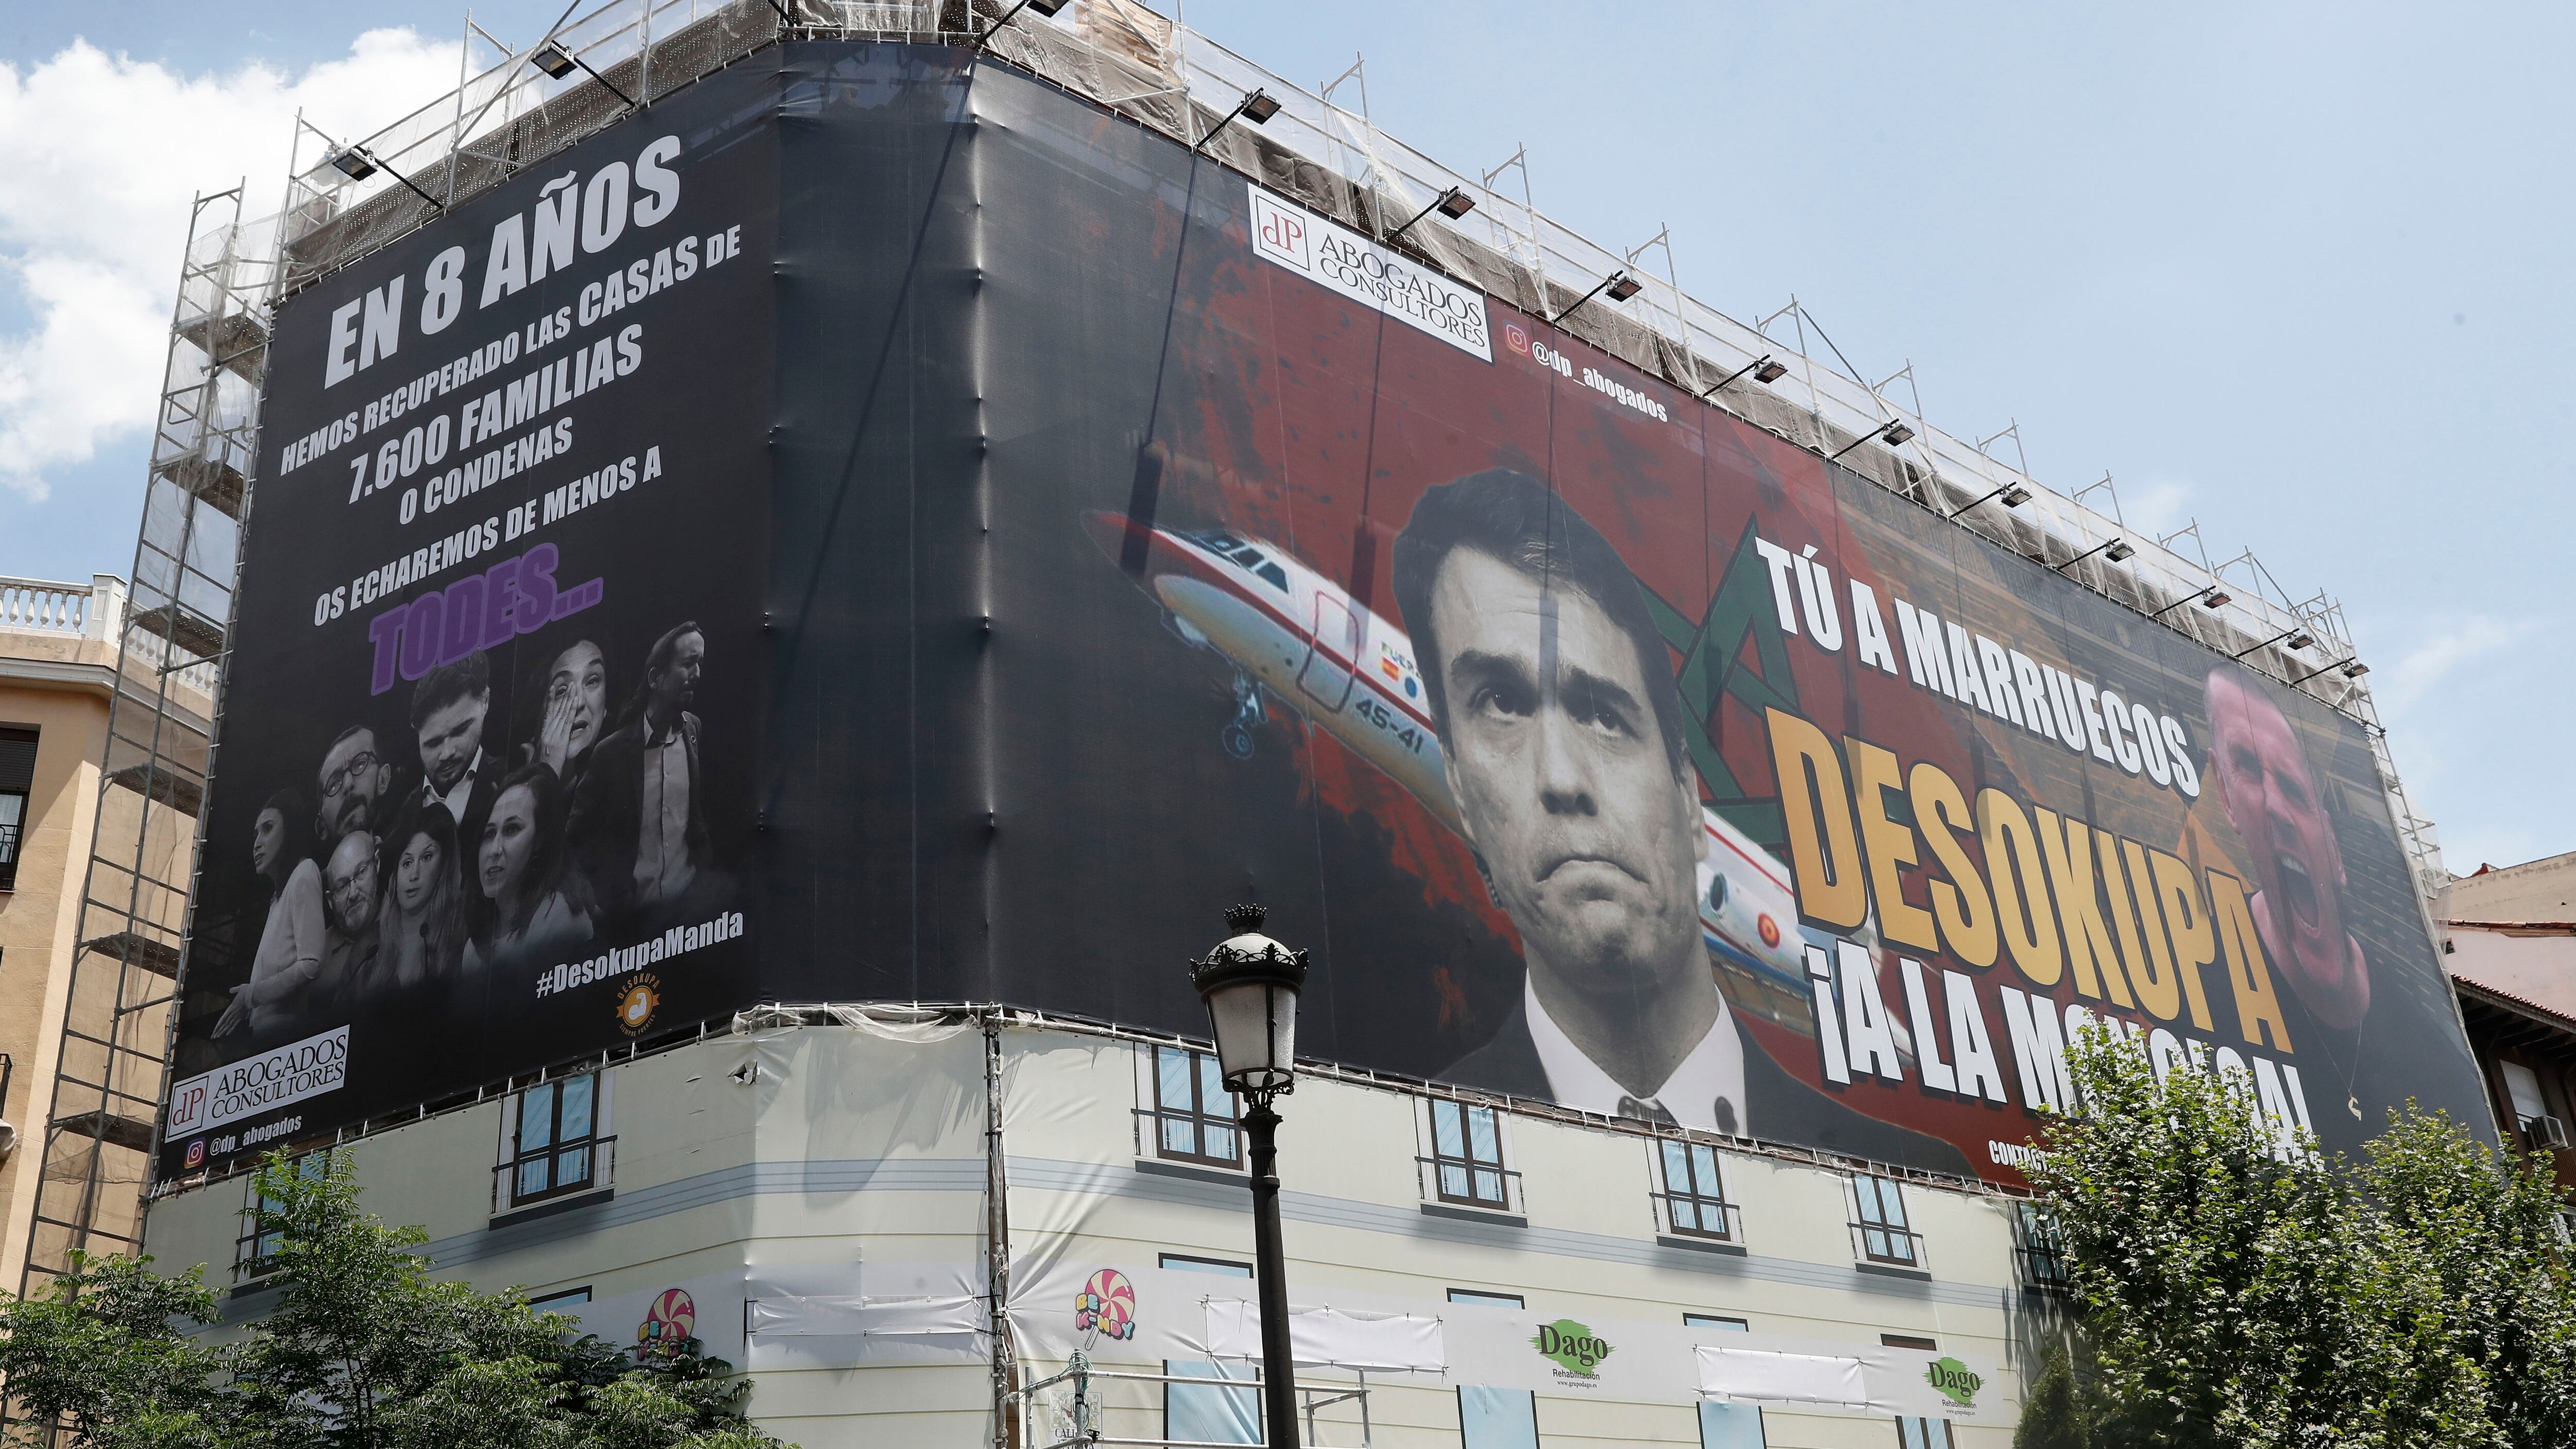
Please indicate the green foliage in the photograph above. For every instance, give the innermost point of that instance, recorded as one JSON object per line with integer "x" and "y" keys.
{"x": 2052, "y": 1415}
{"x": 364, "y": 1350}
{"x": 2237, "y": 1290}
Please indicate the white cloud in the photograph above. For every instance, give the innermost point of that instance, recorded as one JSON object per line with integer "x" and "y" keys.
{"x": 103, "y": 155}
{"x": 2457, "y": 642}
{"x": 2157, "y": 509}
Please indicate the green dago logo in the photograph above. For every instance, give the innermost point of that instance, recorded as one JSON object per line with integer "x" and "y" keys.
{"x": 1575, "y": 1348}
{"x": 1955, "y": 1382}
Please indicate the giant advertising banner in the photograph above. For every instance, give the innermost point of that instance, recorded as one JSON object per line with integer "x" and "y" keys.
{"x": 1019, "y": 538}
{"x": 504, "y": 563}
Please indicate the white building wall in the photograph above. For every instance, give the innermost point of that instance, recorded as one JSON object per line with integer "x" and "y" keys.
{"x": 835, "y": 1175}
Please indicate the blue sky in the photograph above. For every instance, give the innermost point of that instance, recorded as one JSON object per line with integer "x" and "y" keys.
{"x": 2295, "y": 271}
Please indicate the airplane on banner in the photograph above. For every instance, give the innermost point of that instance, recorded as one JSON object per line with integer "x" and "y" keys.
{"x": 1288, "y": 629}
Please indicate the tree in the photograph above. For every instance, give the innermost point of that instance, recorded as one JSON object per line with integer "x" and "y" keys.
{"x": 2234, "y": 1288}
{"x": 365, "y": 1350}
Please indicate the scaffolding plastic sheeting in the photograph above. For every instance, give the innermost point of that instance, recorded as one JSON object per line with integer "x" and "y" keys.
{"x": 1761, "y": 1376}
{"x": 848, "y": 1315}
{"x": 1332, "y": 1337}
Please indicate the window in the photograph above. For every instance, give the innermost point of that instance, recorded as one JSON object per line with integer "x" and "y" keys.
{"x": 2043, "y": 1250}
{"x": 1191, "y": 1116}
{"x": 1497, "y": 1418}
{"x": 1880, "y": 1228}
{"x": 1726, "y": 1426}
{"x": 1923, "y": 1434}
{"x": 1909, "y": 1340}
{"x": 1730, "y": 1426}
{"x": 1466, "y": 1160}
{"x": 1192, "y": 1414}
{"x": 2531, "y": 1116}
{"x": 1486, "y": 1300}
{"x": 569, "y": 1298}
{"x": 1694, "y": 1197}
{"x": 555, "y": 1146}
{"x": 255, "y": 1251}
{"x": 17, "y": 777}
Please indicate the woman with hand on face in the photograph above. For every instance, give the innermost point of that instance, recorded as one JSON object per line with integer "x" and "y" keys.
{"x": 422, "y": 932}
{"x": 565, "y": 711}
{"x": 290, "y": 945}
{"x": 531, "y": 904}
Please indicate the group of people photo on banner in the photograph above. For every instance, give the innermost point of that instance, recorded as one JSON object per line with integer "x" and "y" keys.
{"x": 431, "y": 869}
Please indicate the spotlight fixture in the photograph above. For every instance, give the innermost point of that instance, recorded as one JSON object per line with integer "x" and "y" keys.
{"x": 1619, "y": 285}
{"x": 1770, "y": 371}
{"x": 2119, "y": 550}
{"x": 557, "y": 62}
{"x": 1257, "y": 107}
{"x": 2216, "y": 599}
{"x": 1892, "y": 434}
{"x": 352, "y": 162}
{"x": 2013, "y": 495}
{"x": 2355, "y": 670}
{"x": 1452, "y": 203}
{"x": 2300, "y": 640}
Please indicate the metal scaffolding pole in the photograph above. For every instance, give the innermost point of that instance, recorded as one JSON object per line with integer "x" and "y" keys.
{"x": 173, "y": 633}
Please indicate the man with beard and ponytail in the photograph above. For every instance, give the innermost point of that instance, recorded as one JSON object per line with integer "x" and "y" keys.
{"x": 1552, "y": 693}
{"x": 2272, "y": 801}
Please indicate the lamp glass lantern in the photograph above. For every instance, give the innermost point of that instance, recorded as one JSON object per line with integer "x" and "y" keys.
{"x": 1249, "y": 984}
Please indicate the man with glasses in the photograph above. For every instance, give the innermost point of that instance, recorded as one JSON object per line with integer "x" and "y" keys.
{"x": 355, "y": 786}
{"x": 350, "y": 903}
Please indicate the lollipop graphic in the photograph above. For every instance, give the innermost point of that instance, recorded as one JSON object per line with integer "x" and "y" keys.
{"x": 1107, "y": 1305}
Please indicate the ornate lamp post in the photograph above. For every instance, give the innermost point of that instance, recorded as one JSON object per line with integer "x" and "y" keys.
{"x": 1250, "y": 984}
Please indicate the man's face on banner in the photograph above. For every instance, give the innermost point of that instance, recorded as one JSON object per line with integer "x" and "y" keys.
{"x": 1561, "y": 775}
{"x": 450, "y": 738}
{"x": 2273, "y": 804}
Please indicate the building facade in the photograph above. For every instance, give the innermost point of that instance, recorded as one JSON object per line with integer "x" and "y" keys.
{"x": 932, "y": 521}
{"x": 2509, "y": 946}
{"x": 833, "y": 1198}
{"x": 58, "y": 675}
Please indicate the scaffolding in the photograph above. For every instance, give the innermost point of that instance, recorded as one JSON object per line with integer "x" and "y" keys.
{"x": 173, "y": 633}
{"x": 507, "y": 115}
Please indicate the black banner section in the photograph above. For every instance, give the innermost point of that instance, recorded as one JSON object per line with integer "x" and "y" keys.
{"x": 1013, "y": 539}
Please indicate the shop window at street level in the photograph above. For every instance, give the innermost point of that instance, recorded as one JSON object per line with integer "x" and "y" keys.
{"x": 556, "y": 1149}
{"x": 1497, "y": 1418}
{"x": 1879, "y": 1228}
{"x": 1694, "y": 1195}
{"x": 17, "y": 777}
{"x": 1722, "y": 1425}
{"x": 255, "y": 1251}
{"x": 1210, "y": 1415}
{"x": 1192, "y": 1117}
{"x": 1466, "y": 1162}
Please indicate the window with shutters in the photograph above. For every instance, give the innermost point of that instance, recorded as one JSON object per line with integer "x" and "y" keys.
{"x": 1188, "y": 1114}
{"x": 17, "y": 778}
{"x": 555, "y": 1148}
{"x": 1467, "y": 1164}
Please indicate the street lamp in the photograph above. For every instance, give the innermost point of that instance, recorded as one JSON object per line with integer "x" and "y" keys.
{"x": 1249, "y": 984}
